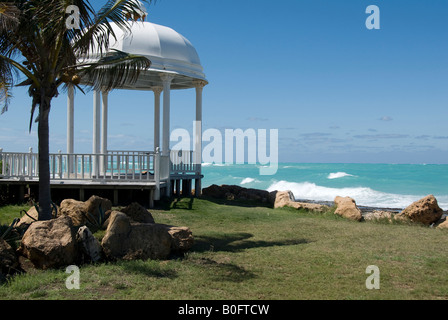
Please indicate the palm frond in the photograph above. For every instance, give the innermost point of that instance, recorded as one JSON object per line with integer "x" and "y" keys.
{"x": 114, "y": 69}
{"x": 97, "y": 35}
{"x": 9, "y": 16}
{"x": 7, "y": 75}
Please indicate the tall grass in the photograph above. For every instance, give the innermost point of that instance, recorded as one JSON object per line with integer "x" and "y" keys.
{"x": 249, "y": 252}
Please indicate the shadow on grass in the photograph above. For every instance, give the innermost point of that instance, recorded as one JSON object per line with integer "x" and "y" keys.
{"x": 222, "y": 271}
{"x": 145, "y": 268}
{"x": 185, "y": 203}
{"x": 237, "y": 202}
{"x": 237, "y": 242}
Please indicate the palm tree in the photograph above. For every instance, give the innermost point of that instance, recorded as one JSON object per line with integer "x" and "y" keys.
{"x": 38, "y": 50}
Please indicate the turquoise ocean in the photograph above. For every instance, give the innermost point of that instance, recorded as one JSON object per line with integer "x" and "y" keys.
{"x": 372, "y": 185}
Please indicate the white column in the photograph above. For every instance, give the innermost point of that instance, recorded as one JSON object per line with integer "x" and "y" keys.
{"x": 104, "y": 118}
{"x": 70, "y": 119}
{"x": 157, "y": 91}
{"x": 70, "y": 127}
{"x": 199, "y": 85}
{"x": 104, "y": 125}
{"x": 96, "y": 122}
{"x": 96, "y": 131}
{"x": 166, "y": 78}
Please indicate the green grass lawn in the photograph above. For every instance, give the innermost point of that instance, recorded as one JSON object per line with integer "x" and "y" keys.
{"x": 253, "y": 253}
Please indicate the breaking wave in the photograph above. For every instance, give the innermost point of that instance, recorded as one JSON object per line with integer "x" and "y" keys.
{"x": 362, "y": 195}
{"x": 337, "y": 175}
{"x": 247, "y": 180}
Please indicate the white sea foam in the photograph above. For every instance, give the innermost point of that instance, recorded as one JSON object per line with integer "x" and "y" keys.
{"x": 337, "y": 175}
{"x": 247, "y": 180}
{"x": 363, "y": 196}
{"x": 210, "y": 164}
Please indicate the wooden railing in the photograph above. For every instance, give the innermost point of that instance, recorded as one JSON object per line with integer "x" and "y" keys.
{"x": 184, "y": 162}
{"x": 115, "y": 165}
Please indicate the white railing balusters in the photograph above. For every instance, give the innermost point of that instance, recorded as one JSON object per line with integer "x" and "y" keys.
{"x": 120, "y": 165}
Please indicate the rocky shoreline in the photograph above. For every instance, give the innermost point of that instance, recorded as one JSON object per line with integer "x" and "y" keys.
{"x": 364, "y": 209}
{"x": 425, "y": 211}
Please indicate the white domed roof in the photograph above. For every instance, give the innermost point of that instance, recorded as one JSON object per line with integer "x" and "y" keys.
{"x": 168, "y": 51}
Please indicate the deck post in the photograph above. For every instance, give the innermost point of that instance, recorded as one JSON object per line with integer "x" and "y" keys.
{"x": 115, "y": 203}
{"x": 157, "y": 174}
{"x": 151, "y": 198}
{"x": 81, "y": 194}
{"x": 178, "y": 188}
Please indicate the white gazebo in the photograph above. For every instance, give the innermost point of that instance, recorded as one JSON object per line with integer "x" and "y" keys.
{"x": 175, "y": 65}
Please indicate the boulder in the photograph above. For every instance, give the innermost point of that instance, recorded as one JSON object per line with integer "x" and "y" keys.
{"x": 287, "y": 199}
{"x": 50, "y": 244}
{"x": 75, "y": 210}
{"x": 82, "y": 212}
{"x": 95, "y": 207}
{"x": 425, "y": 211}
{"x": 347, "y": 208}
{"x": 90, "y": 247}
{"x": 234, "y": 192}
{"x": 379, "y": 215}
{"x": 181, "y": 239}
{"x": 254, "y": 195}
{"x": 32, "y": 216}
{"x": 129, "y": 240}
{"x": 314, "y": 207}
{"x": 9, "y": 263}
{"x": 272, "y": 196}
{"x": 138, "y": 213}
{"x": 283, "y": 199}
{"x": 213, "y": 191}
{"x": 442, "y": 224}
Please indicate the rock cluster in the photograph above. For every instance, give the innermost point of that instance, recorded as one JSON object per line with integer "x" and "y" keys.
{"x": 424, "y": 211}
{"x": 131, "y": 233}
{"x": 232, "y": 192}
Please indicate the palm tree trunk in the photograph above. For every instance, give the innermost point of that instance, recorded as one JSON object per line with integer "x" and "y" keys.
{"x": 45, "y": 212}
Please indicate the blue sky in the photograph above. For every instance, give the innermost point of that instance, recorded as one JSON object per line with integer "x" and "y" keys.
{"x": 336, "y": 91}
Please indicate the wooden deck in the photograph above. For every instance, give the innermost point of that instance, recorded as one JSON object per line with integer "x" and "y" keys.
{"x": 122, "y": 177}
{"x": 122, "y": 192}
